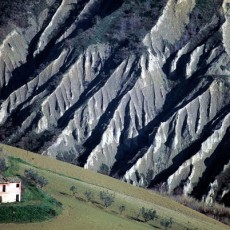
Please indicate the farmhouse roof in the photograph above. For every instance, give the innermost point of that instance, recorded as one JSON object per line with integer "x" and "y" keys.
{"x": 5, "y": 180}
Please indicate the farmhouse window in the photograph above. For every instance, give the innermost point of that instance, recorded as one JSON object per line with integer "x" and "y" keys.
{"x": 17, "y": 185}
{"x": 4, "y": 188}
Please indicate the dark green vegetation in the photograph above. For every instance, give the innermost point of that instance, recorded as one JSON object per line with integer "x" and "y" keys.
{"x": 35, "y": 205}
{"x": 27, "y": 213}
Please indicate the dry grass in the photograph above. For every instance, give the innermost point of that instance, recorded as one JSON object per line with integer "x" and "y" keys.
{"x": 79, "y": 213}
{"x": 215, "y": 210}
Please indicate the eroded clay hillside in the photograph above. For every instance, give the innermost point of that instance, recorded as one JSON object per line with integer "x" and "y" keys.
{"x": 139, "y": 89}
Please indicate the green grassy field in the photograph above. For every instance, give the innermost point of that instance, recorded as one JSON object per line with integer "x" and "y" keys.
{"x": 79, "y": 214}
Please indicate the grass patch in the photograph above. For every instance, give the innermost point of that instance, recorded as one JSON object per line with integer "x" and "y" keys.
{"x": 24, "y": 214}
{"x": 32, "y": 193}
{"x": 18, "y": 160}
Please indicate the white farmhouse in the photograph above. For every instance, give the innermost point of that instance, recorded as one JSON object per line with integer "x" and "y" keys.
{"x": 10, "y": 189}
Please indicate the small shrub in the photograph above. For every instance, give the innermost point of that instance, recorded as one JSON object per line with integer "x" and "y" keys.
{"x": 104, "y": 169}
{"x": 89, "y": 195}
{"x": 147, "y": 178}
{"x": 122, "y": 209}
{"x": 3, "y": 165}
{"x": 107, "y": 198}
{"x": 73, "y": 189}
{"x": 148, "y": 214}
{"x": 31, "y": 175}
{"x": 33, "y": 178}
{"x": 166, "y": 223}
{"x": 42, "y": 181}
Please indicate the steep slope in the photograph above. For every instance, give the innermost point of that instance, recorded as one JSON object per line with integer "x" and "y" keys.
{"x": 139, "y": 87}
